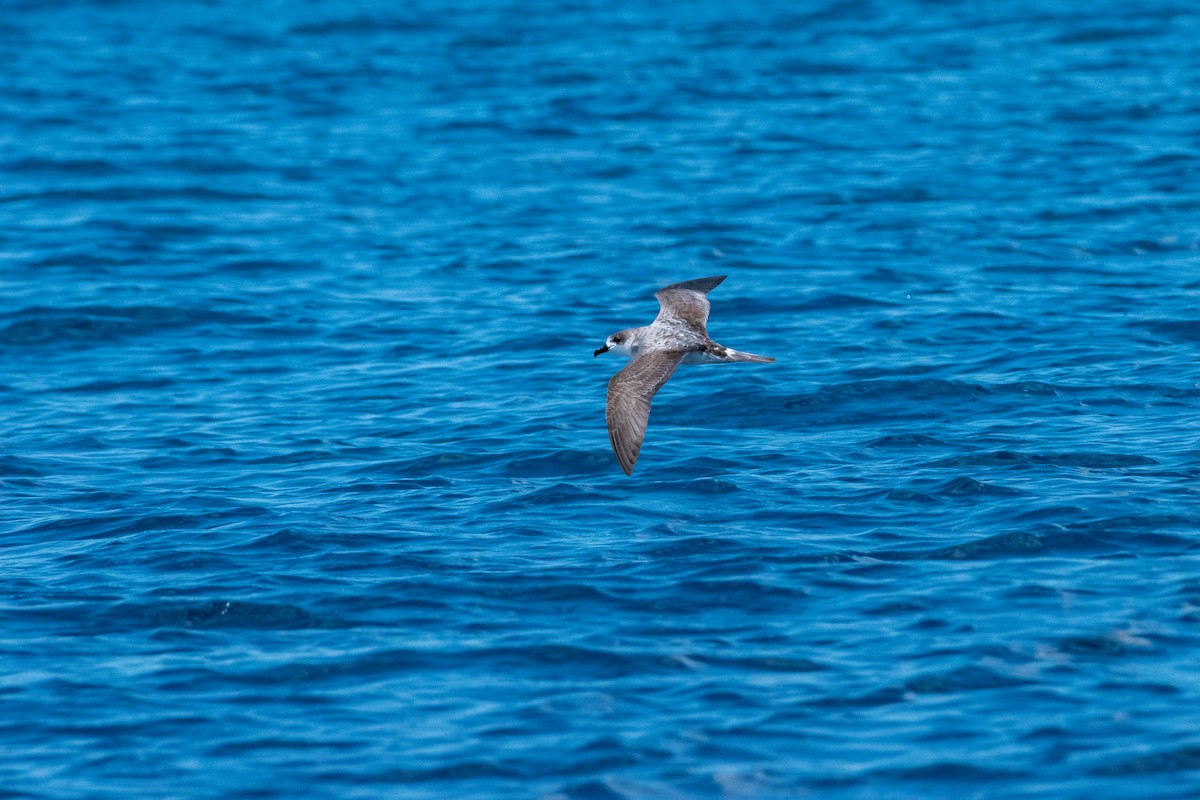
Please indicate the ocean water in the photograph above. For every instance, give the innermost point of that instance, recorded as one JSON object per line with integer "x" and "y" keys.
{"x": 306, "y": 489}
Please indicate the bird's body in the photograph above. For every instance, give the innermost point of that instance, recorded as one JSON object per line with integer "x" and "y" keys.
{"x": 679, "y": 335}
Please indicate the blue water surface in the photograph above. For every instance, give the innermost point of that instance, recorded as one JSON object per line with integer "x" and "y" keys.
{"x": 306, "y": 485}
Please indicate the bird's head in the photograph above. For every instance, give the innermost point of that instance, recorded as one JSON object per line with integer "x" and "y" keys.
{"x": 620, "y": 343}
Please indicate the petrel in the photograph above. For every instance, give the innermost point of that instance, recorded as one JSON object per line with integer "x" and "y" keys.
{"x": 677, "y": 336}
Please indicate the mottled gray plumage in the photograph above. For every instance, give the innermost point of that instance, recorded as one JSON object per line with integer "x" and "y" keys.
{"x": 678, "y": 335}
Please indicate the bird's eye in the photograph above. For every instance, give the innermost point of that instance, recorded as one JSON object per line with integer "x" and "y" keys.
{"x": 616, "y": 340}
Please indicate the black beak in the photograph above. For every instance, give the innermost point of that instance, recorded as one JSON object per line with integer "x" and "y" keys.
{"x": 601, "y": 350}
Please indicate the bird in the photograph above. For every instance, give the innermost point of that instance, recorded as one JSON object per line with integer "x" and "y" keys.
{"x": 678, "y": 335}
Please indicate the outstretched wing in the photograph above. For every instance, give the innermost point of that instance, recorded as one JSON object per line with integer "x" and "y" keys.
{"x": 629, "y": 394}
{"x": 686, "y": 301}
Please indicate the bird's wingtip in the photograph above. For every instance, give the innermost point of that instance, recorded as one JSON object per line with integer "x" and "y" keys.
{"x": 702, "y": 285}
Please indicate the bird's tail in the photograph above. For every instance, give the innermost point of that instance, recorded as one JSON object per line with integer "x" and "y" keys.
{"x": 728, "y": 354}
{"x": 735, "y": 355}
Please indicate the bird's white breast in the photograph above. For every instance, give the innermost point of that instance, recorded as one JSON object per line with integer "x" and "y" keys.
{"x": 623, "y": 349}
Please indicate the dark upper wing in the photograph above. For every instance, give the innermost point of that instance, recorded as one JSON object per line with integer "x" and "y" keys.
{"x": 628, "y": 408}
{"x": 686, "y": 301}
